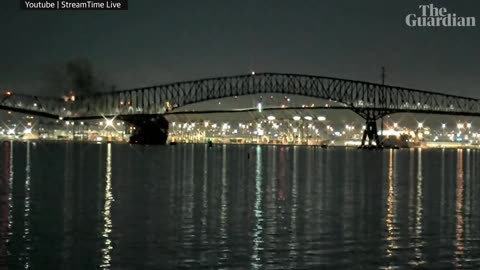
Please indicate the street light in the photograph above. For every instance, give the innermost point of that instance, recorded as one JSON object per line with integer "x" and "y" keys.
{"x": 321, "y": 118}
{"x": 109, "y": 122}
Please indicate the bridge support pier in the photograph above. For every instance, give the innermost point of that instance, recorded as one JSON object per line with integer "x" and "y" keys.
{"x": 370, "y": 132}
{"x": 148, "y": 129}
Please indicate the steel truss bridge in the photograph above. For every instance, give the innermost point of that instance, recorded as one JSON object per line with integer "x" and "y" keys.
{"x": 371, "y": 101}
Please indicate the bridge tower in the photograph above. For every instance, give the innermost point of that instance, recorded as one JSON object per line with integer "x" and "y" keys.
{"x": 371, "y": 117}
{"x": 371, "y": 131}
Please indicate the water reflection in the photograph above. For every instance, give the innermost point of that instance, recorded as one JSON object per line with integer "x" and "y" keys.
{"x": 6, "y": 202}
{"x": 293, "y": 245}
{"x": 107, "y": 213}
{"x": 224, "y": 201}
{"x": 10, "y": 177}
{"x": 258, "y": 229}
{"x": 459, "y": 235}
{"x": 26, "y": 211}
{"x": 237, "y": 207}
{"x": 204, "y": 201}
{"x": 419, "y": 212}
{"x": 391, "y": 206}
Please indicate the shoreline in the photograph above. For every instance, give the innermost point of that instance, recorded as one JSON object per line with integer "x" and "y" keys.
{"x": 424, "y": 145}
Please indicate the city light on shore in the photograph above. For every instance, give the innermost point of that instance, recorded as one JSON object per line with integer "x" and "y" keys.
{"x": 307, "y": 128}
{"x": 321, "y": 118}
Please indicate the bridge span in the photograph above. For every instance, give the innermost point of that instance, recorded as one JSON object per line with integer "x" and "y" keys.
{"x": 145, "y": 107}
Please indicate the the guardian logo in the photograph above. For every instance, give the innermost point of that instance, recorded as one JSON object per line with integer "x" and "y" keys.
{"x": 431, "y": 16}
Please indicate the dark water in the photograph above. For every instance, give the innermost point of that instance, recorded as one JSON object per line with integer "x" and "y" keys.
{"x": 89, "y": 206}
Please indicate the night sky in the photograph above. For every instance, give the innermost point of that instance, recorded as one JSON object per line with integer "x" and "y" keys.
{"x": 156, "y": 42}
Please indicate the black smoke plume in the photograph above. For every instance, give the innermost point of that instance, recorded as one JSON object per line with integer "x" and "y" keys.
{"x": 76, "y": 77}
